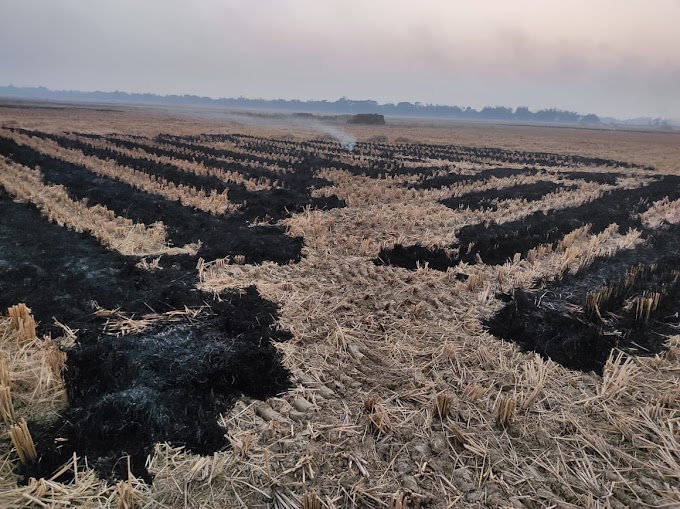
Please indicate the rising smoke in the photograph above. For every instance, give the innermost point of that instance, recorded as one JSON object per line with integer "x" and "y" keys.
{"x": 346, "y": 140}
{"x": 279, "y": 121}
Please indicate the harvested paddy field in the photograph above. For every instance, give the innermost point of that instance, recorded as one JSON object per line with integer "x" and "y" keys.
{"x": 204, "y": 314}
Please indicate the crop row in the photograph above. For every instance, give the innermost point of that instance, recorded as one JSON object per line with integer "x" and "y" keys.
{"x": 424, "y": 152}
{"x": 213, "y": 202}
{"x": 219, "y": 235}
{"x": 496, "y": 243}
{"x": 115, "y": 232}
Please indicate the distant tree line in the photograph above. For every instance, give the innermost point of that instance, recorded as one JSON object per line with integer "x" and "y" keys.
{"x": 342, "y": 106}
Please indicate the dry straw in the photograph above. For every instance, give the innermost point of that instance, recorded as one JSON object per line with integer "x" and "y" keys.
{"x": 23, "y": 443}
{"x": 130, "y": 493}
{"x": 399, "y": 501}
{"x": 311, "y": 500}
{"x": 442, "y": 405}
{"x": 22, "y": 321}
{"x": 620, "y": 372}
{"x": 504, "y": 409}
{"x": 372, "y": 349}
{"x": 30, "y": 388}
{"x": 5, "y": 377}
{"x": 406, "y": 363}
{"x": 121, "y": 234}
{"x": 6, "y": 407}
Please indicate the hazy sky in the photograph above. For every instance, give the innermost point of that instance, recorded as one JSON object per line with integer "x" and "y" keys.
{"x": 611, "y": 57}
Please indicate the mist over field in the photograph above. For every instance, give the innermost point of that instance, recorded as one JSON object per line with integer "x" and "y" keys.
{"x": 613, "y": 58}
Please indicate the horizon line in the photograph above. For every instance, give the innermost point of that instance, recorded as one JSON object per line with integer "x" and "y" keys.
{"x": 416, "y": 104}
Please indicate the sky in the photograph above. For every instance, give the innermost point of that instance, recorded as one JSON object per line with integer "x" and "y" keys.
{"x": 611, "y": 57}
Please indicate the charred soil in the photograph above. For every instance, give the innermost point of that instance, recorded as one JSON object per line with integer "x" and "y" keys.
{"x": 498, "y": 242}
{"x": 490, "y": 199}
{"x": 167, "y": 383}
{"x": 629, "y": 301}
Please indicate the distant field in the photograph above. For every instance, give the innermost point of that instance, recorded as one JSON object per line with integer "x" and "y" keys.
{"x": 232, "y": 312}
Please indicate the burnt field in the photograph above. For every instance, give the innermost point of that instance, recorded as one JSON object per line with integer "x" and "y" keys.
{"x": 496, "y": 242}
{"x": 248, "y": 318}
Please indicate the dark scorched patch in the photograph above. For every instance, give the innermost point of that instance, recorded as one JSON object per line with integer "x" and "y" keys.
{"x": 220, "y": 235}
{"x": 489, "y": 199}
{"x": 166, "y": 385}
{"x": 412, "y": 257}
{"x": 496, "y": 243}
{"x": 578, "y": 320}
{"x": 126, "y": 393}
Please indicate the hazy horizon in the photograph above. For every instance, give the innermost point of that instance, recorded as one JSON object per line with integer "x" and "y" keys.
{"x": 612, "y": 58}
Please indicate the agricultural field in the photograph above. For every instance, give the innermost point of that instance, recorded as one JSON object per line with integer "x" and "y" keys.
{"x": 204, "y": 313}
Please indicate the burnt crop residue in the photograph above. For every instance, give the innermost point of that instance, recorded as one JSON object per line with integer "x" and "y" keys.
{"x": 168, "y": 383}
{"x": 497, "y": 243}
{"x": 452, "y": 178}
{"x": 423, "y": 151}
{"x": 220, "y": 236}
{"x": 301, "y": 179}
{"x": 489, "y": 199}
{"x": 629, "y": 301}
{"x": 292, "y": 194}
{"x": 486, "y": 154}
{"x": 413, "y": 257}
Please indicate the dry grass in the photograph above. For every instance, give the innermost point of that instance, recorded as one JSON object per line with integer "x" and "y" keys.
{"x": 30, "y": 388}
{"x": 403, "y": 400}
{"x": 30, "y": 367}
{"x": 663, "y": 211}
